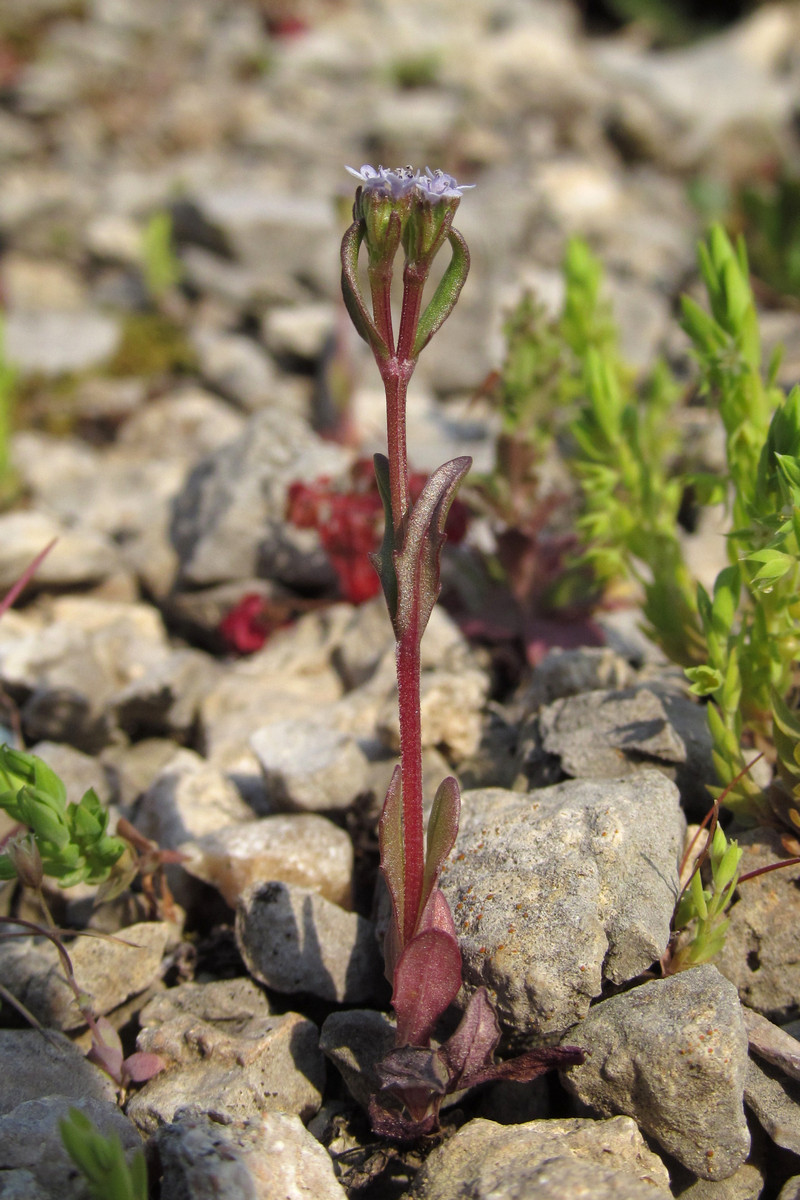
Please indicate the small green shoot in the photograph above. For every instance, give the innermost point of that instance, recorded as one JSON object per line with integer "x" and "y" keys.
{"x": 70, "y": 839}
{"x": 101, "y": 1160}
{"x": 162, "y": 268}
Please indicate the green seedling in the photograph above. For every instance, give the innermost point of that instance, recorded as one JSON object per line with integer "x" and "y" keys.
{"x": 69, "y": 840}
{"x": 162, "y": 268}
{"x": 101, "y": 1160}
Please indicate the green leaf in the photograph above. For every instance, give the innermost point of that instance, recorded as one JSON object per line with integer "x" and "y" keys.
{"x": 352, "y": 294}
{"x": 774, "y": 566}
{"x": 383, "y": 559}
{"x": 392, "y": 851}
{"x": 442, "y": 833}
{"x": 705, "y": 680}
{"x": 444, "y": 298}
{"x": 417, "y": 563}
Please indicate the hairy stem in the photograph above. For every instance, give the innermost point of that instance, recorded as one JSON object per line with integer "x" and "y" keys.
{"x": 396, "y": 375}
{"x": 408, "y": 688}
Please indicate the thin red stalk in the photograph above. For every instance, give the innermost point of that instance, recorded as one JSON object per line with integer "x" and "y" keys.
{"x": 408, "y": 688}
{"x": 395, "y": 384}
{"x": 380, "y": 282}
{"x": 414, "y": 277}
{"x": 785, "y": 862}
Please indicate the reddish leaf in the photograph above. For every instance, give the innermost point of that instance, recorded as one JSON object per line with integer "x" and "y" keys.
{"x": 390, "y": 840}
{"x": 141, "y": 1066}
{"x": 471, "y": 1047}
{"x": 527, "y": 1066}
{"x": 426, "y": 980}
{"x": 417, "y": 563}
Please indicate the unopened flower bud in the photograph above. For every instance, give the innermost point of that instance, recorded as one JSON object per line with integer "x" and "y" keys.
{"x": 24, "y": 854}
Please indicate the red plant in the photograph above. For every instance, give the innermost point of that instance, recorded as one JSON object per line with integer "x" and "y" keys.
{"x": 396, "y": 209}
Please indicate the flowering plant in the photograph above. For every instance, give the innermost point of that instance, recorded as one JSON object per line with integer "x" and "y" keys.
{"x": 393, "y": 210}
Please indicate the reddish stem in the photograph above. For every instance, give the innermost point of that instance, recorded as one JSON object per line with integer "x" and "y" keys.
{"x": 414, "y": 276}
{"x": 408, "y": 689}
{"x": 380, "y": 282}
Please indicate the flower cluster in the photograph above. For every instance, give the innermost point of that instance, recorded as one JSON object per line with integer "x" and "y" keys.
{"x": 433, "y": 186}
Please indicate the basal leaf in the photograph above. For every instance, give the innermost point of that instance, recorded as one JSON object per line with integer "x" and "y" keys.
{"x": 426, "y": 981}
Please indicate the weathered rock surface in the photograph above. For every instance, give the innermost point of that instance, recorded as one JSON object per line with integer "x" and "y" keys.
{"x": 268, "y": 1158}
{"x": 309, "y": 767}
{"x": 108, "y": 969}
{"x": 224, "y": 1063}
{"x": 294, "y": 940}
{"x": 34, "y": 1065}
{"x": 30, "y": 1141}
{"x": 673, "y": 1055}
{"x": 542, "y": 931}
{"x": 758, "y": 955}
{"x": 230, "y": 519}
{"x": 300, "y": 848}
{"x": 551, "y": 1159}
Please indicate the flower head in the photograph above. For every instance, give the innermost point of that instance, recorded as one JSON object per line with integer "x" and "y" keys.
{"x": 393, "y": 184}
{"x": 437, "y": 185}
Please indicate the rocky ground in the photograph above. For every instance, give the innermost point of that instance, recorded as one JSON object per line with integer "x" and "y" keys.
{"x": 163, "y": 421}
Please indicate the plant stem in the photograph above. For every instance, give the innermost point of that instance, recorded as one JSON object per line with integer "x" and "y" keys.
{"x": 396, "y": 375}
{"x": 408, "y": 689}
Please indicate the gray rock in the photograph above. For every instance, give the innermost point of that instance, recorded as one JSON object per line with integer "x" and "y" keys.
{"x": 791, "y": 1189}
{"x": 21, "y": 1185}
{"x": 229, "y": 520}
{"x": 309, "y": 767}
{"x": 300, "y": 331}
{"x": 237, "y": 367}
{"x": 164, "y": 700}
{"x": 30, "y": 1140}
{"x": 79, "y": 556}
{"x": 745, "y": 1184}
{"x": 551, "y": 1159}
{"x": 69, "y": 669}
{"x": 774, "y": 1098}
{"x": 269, "y": 1158}
{"x": 543, "y": 931}
{"x": 300, "y": 848}
{"x": 673, "y": 1055}
{"x": 285, "y": 236}
{"x": 237, "y": 1065}
{"x": 188, "y": 799}
{"x": 51, "y": 343}
{"x": 293, "y": 940}
{"x": 354, "y": 1042}
{"x": 607, "y": 734}
{"x": 564, "y": 673}
{"x": 232, "y": 1001}
{"x": 33, "y": 1064}
{"x": 186, "y": 424}
{"x": 108, "y": 969}
{"x": 759, "y": 955}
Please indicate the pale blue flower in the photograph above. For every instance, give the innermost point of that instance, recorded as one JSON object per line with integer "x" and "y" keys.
{"x": 438, "y": 185}
{"x": 394, "y": 184}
